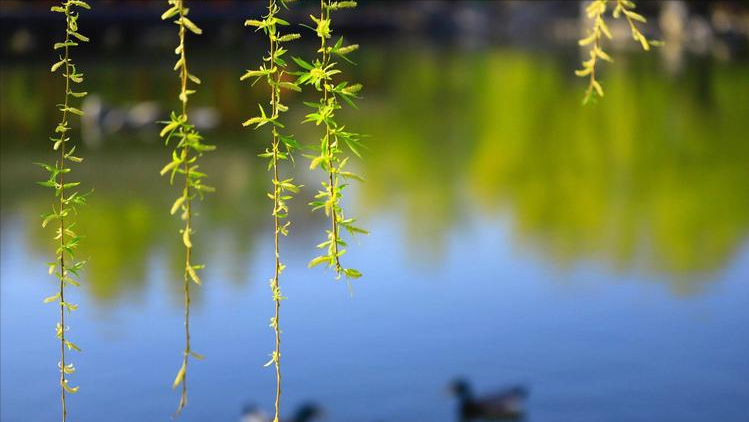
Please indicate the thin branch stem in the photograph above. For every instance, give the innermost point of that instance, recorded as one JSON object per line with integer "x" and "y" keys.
{"x": 63, "y": 381}
{"x": 272, "y": 69}
{"x": 275, "y": 100}
{"x": 63, "y": 270}
{"x": 188, "y": 211}
{"x": 332, "y": 178}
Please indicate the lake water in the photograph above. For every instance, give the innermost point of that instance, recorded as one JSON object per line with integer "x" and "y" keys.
{"x": 599, "y": 255}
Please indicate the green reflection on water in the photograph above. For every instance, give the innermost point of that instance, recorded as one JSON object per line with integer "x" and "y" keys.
{"x": 127, "y": 222}
{"x": 661, "y": 175}
{"x": 655, "y": 177}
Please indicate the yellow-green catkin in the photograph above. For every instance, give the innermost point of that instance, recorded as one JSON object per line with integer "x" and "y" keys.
{"x": 323, "y": 73}
{"x": 273, "y": 71}
{"x": 184, "y": 162}
{"x": 596, "y": 12}
{"x": 65, "y": 268}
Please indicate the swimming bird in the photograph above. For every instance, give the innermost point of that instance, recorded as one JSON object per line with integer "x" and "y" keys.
{"x": 306, "y": 412}
{"x": 506, "y": 404}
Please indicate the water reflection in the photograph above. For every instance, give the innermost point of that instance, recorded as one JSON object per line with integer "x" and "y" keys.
{"x": 125, "y": 226}
{"x": 652, "y": 179}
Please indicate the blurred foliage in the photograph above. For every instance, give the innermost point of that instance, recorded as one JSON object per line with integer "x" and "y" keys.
{"x": 126, "y": 225}
{"x": 657, "y": 184}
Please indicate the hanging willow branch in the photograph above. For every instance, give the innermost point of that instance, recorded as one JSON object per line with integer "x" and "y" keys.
{"x": 273, "y": 70}
{"x": 184, "y": 161}
{"x": 64, "y": 267}
{"x": 596, "y": 12}
{"x": 320, "y": 73}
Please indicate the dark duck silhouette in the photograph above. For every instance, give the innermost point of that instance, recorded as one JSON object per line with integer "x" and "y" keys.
{"x": 307, "y": 412}
{"x": 506, "y": 404}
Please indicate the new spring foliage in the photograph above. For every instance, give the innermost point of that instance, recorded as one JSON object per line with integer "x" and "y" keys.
{"x": 189, "y": 147}
{"x": 273, "y": 71}
{"x": 65, "y": 268}
{"x": 324, "y": 74}
{"x": 596, "y": 12}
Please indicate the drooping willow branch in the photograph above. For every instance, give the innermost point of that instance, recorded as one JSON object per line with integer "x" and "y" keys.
{"x": 273, "y": 70}
{"x": 189, "y": 148}
{"x": 320, "y": 73}
{"x": 64, "y": 267}
{"x": 596, "y": 12}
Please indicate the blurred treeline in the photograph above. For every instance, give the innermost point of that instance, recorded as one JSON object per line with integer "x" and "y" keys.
{"x": 123, "y": 26}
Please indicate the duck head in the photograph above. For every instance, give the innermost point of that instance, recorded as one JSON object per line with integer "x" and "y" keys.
{"x": 461, "y": 389}
{"x": 307, "y": 412}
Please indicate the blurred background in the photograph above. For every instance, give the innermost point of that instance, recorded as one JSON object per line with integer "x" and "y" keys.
{"x": 597, "y": 256}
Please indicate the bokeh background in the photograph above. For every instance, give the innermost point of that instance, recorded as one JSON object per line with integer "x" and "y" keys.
{"x": 598, "y": 255}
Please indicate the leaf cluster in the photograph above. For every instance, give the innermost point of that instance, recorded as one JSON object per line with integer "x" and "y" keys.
{"x": 189, "y": 143}
{"x": 273, "y": 70}
{"x": 596, "y": 12}
{"x": 330, "y": 155}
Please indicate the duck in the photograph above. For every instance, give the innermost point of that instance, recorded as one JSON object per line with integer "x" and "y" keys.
{"x": 305, "y": 413}
{"x": 506, "y": 404}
